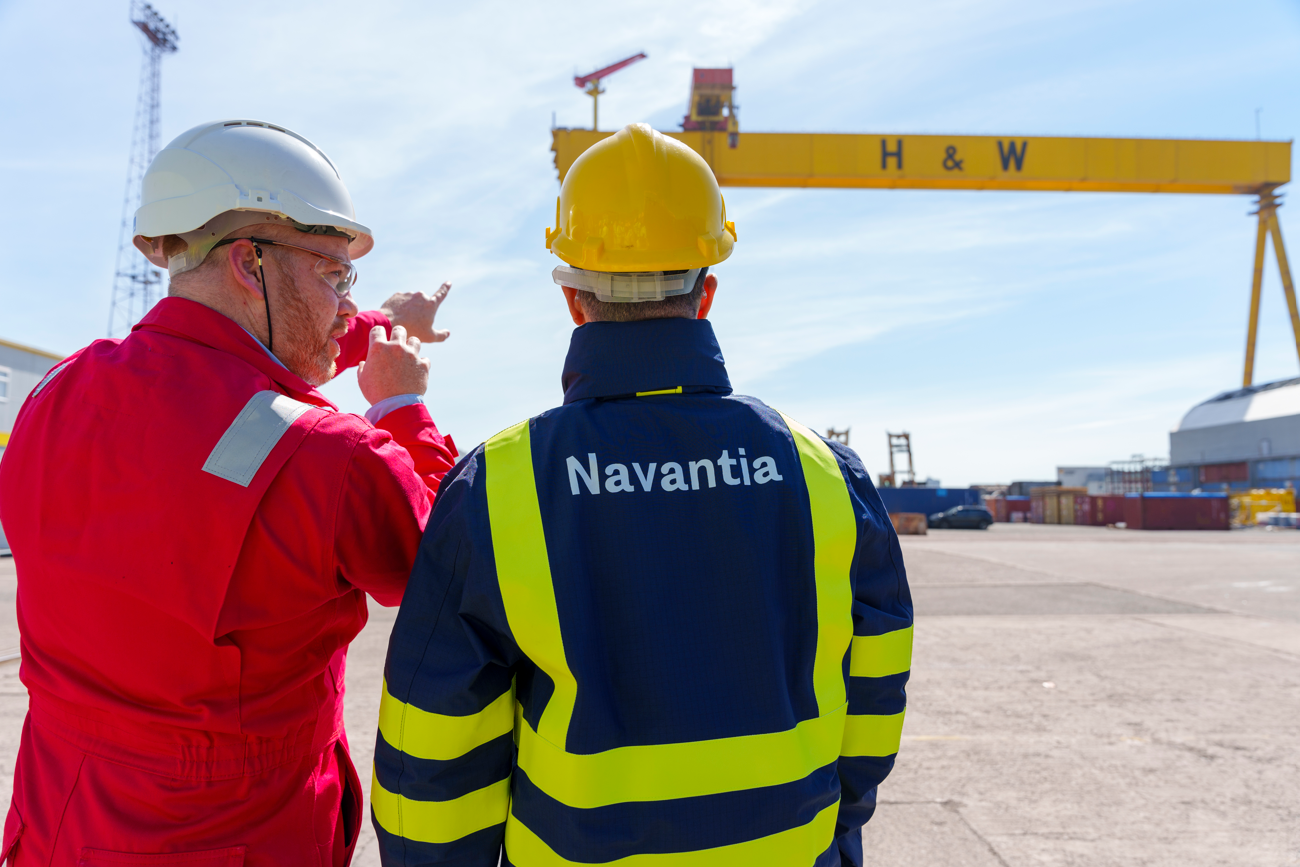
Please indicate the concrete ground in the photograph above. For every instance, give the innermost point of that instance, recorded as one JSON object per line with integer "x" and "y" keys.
{"x": 1080, "y": 696}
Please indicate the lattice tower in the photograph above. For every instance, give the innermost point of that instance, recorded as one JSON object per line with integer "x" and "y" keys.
{"x": 137, "y": 284}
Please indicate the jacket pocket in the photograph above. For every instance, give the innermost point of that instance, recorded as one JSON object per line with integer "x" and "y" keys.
{"x": 13, "y": 830}
{"x": 232, "y": 857}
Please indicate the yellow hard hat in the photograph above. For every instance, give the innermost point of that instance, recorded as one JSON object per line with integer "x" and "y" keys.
{"x": 640, "y": 201}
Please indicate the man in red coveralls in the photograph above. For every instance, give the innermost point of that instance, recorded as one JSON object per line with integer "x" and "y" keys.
{"x": 195, "y": 527}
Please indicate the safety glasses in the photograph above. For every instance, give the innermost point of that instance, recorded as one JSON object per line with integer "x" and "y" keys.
{"x": 339, "y": 275}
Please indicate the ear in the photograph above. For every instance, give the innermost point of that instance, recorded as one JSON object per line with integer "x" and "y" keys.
{"x": 241, "y": 263}
{"x": 571, "y": 296}
{"x": 706, "y": 303}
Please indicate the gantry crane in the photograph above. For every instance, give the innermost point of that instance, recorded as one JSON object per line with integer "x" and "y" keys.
{"x": 899, "y": 444}
{"x": 938, "y": 162}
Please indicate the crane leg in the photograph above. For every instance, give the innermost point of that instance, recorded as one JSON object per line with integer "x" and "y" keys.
{"x": 1287, "y": 286}
{"x": 1252, "y": 326}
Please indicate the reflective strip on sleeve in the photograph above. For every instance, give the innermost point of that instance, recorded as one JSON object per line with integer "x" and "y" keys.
{"x": 524, "y": 572}
{"x": 49, "y": 376}
{"x": 440, "y": 821}
{"x": 872, "y": 735}
{"x": 881, "y": 655}
{"x": 677, "y": 390}
{"x": 662, "y": 772}
{"x": 835, "y": 538}
{"x": 251, "y": 436}
{"x": 795, "y": 846}
{"x": 440, "y": 737}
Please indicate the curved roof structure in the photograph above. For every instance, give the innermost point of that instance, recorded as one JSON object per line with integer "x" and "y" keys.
{"x": 1255, "y": 403}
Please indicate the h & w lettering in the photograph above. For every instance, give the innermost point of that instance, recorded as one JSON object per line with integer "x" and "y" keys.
{"x": 1010, "y": 153}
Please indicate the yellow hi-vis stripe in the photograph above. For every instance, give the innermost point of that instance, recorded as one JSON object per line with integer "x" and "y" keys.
{"x": 835, "y": 536}
{"x": 872, "y": 735}
{"x": 881, "y": 655}
{"x": 662, "y": 772}
{"x": 524, "y": 571}
{"x": 440, "y": 821}
{"x": 438, "y": 736}
{"x": 677, "y": 390}
{"x": 795, "y": 846}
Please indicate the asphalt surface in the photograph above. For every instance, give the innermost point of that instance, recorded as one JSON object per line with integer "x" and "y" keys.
{"x": 1080, "y": 696}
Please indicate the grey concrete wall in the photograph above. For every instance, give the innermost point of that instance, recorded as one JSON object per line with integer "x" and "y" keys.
{"x": 1236, "y": 442}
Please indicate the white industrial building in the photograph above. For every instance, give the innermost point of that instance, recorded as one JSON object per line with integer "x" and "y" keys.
{"x": 1249, "y": 437}
{"x": 21, "y": 368}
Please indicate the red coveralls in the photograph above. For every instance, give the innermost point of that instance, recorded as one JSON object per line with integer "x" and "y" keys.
{"x": 184, "y": 635}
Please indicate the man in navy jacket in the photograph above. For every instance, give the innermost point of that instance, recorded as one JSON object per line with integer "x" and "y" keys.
{"x": 660, "y": 620}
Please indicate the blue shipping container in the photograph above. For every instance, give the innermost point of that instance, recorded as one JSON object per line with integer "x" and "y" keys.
{"x": 927, "y": 501}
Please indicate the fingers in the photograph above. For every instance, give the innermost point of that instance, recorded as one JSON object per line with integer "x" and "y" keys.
{"x": 442, "y": 292}
{"x": 398, "y": 334}
{"x": 440, "y": 336}
{"x": 377, "y": 333}
{"x": 414, "y": 343}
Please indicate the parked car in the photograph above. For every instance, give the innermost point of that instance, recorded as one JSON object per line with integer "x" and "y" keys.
{"x": 961, "y": 517}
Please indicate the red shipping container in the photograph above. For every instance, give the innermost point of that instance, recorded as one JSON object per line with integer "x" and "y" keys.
{"x": 997, "y": 506}
{"x": 1176, "y": 511}
{"x": 1106, "y": 510}
{"x": 1018, "y": 506}
{"x": 1212, "y": 473}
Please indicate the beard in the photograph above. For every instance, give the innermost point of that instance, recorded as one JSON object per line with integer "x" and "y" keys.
{"x": 305, "y": 347}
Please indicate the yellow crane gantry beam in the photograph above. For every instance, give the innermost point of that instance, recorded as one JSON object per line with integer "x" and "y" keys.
{"x": 967, "y": 162}
{"x": 975, "y": 162}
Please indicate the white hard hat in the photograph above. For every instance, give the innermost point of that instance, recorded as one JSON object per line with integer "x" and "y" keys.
{"x": 223, "y": 176}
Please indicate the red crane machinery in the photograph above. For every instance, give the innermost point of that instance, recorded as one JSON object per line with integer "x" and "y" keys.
{"x": 591, "y": 81}
{"x": 712, "y": 91}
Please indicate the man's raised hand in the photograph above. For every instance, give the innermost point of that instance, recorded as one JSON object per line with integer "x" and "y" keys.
{"x": 415, "y": 311}
{"x": 392, "y": 366}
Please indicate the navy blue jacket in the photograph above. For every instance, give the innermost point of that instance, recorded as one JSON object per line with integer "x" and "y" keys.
{"x": 680, "y": 545}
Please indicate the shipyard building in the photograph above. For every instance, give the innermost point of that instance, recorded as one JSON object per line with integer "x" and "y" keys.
{"x": 1247, "y": 438}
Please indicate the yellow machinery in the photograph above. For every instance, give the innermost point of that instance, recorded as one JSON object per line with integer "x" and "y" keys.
{"x": 1245, "y": 507}
{"x": 937, "y": 162}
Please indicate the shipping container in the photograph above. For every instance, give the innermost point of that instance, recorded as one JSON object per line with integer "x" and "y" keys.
{"x": 1100, "y": 511}
{"x": 1054, "y": 505}
{"x": 997, "y": 507}
{"x": 1238, "y": 472}
{"x": 1018, "y": 509}
{"x": 1025, "y": 489}
{"x": 1066, "y": 499}
{"x": 927, "y": 501}
{"x": 1038, "y": 503}
{"x": 1169, "y": 511}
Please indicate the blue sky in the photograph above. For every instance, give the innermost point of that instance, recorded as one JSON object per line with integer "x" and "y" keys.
{"x": 1008, "y": 332}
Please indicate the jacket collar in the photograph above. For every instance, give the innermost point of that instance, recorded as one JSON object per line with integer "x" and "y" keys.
{"x": 617, "y": 359}
{"x": 192, "y": 321}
